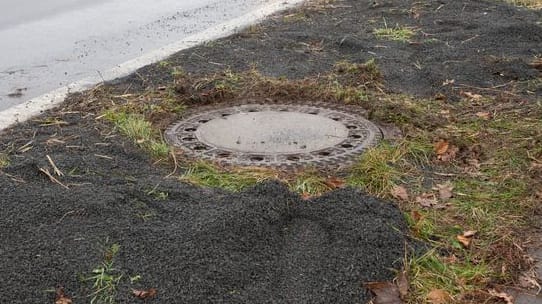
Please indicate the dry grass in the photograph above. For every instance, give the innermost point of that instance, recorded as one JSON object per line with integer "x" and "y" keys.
{"x": 534, "y": 4}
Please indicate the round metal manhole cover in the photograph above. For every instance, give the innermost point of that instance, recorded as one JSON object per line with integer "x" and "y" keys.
{"x": 275, "y": 135}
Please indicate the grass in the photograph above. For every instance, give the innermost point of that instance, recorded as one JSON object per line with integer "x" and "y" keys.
{"x": 105, "y": 278}
{"x": 208, "y": 175}
{"x": 310, "y": 183}
{"x": 140, "y": 131}
{"x": 397, "y": 33}
{"x": 495, "y": 173}
{"x": 434, "y": 271}
{"x": 4, "y": 160}
{"x": 381, "y": 168}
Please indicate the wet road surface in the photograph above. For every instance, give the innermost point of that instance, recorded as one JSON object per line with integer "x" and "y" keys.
{"x": 46, "y": 46}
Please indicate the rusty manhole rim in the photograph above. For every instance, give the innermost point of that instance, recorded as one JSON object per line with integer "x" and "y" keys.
{"x": 362, "y": 134}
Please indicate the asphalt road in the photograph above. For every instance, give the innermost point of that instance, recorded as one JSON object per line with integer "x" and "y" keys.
{"x": 49, "y": 44}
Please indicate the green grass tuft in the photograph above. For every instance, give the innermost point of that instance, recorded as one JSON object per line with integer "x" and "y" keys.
{"x": 4, "y": 160}
{"x": 208, "y": 175}
{"x": 376, "y": 172}
{"x": 139, "y": 130}
{"x": 105, "y": 278}
{"x": 398, "y": 33}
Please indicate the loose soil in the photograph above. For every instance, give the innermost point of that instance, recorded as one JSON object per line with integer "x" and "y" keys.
{"x": 265, "y": 244}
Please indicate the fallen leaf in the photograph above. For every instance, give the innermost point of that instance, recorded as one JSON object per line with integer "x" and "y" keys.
{"x": 508, "y": 299}
{"x": 144, "y": 294}
{"x": 445, "y": 191}
{"x": 441, "y": 146}
{"x": 402, "y": 284}
{"x": 426, "y": 200}
{"x": 438, "y": 296}
{"x": 449, "y": 155}
{"x": 465, "y": 241}
{"x": 335, "y": 182}
{"x": 384, "y": 292}
{"x": 471, "y": 96}
{"x": 61, "y": 297}
{"x": 400, "y": 193}
{"x": 469, "y": 233}
{"x": 306, "y": 196}
{"x": 483, "y": 115}
{"x": 466, "y": 238}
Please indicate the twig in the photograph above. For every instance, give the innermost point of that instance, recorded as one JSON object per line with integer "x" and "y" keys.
{"x": 471, "y": 38}
{"x": 65, "y": 214}
{"x": 103, "y": 156}
{"x": 52, "y": 178}
{"x": 55, "y": 168}
{"x": 444, "y": 174}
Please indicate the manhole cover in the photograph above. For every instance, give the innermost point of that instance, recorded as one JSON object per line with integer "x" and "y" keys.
{"x": 274, "y": 135}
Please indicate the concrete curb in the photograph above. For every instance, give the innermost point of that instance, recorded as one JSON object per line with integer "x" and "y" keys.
{"x": 38, "y": 105}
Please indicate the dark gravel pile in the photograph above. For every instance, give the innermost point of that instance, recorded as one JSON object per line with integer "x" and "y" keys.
{"x": 457, "y": 46}
{"x": 263, "y": 245}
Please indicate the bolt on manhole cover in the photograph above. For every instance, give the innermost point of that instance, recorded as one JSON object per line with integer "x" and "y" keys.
{"x": 275, "y": 135}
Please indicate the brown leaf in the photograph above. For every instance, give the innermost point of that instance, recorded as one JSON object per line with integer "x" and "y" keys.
{"x": 400, "y": 193}
{"x": 144, "y": 294}
{"x": 384, "y": 292}
{"x": 426, "y": 200}
{"x": 61, "y": 297}
{"x": 508, "y": 299}
{"x": 335, "y": 182}
{"x": 416, "y": 215}
{"x": 438, "y": 296}
{"x": 445, "y": 191}
{"x": 306, "y": 196}
{"x": 441, "y": 146}
{"x": 465, "y": 241}
{"x": 449, "y": 155}
{"x": 466, "y": 238}
{"x": 402, "y": 284}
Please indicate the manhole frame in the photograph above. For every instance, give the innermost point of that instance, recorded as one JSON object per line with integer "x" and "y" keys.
{"x": 362, "y": 135}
